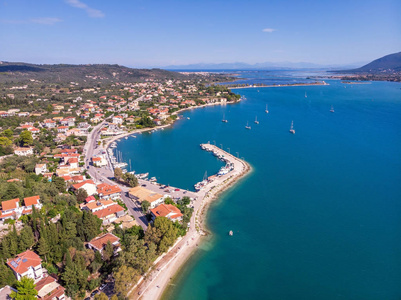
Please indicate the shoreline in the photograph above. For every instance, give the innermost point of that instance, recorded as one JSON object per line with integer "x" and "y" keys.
{"x": 175, "y": 259}
{"x": 122, "y": 135}
{"x": 278, "y": 85}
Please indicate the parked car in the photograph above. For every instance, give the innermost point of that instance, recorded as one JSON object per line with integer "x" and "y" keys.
{"x": 94, "y": 293}
{"x": 102, "y": 286}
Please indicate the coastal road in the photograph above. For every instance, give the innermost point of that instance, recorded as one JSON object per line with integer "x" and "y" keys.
{"x": 103, "y": 174}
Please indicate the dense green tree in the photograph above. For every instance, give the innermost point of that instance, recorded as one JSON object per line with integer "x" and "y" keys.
{"x": 108, "y": 251}
{"x": 25, "y": 290}
{"x": 118, "y": 173}
{"x": 8, "y": 133}
{"x": 26, "y": 138}
{"x": 43, "y": 247}
{"x": 59, "y": 182}
{"x": 124, "y": 280}
{"x": 7, "y": 276}
{"x": 5, "y": 141}
{"x": 81, "y": 195}
{"x": 101, "y": 296}
{"x": 145, "y": 206}
{"x": 12, "y": 192}
{"x": 26, "y": 238}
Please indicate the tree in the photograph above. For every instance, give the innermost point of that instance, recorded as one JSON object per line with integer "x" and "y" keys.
{"x": 145, "y": 206}
{"x": 25, "y": 290}
{"x": 118, "y": 173}
{"x": 26, "y": 238}
{"x": 5, "y": 141}
{"x": 12, "y": 192}
{"x": 26, "y": 138}
{"x": 8, "y": 133}
{"x": 59, "y": 182}
{"x": 108, "y": 251}
{"x": 101, "y": 296}
{"x": 114, "y": 297}
{"x": 81, "y": 195}
{"x": 124, "y": 279}
{"x": 43, "y": 247}
{"x": 6, "y": 276}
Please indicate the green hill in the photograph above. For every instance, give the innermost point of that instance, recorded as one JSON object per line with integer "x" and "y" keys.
{"x": 387, "y": 64}
{"x": 19, "y": 72}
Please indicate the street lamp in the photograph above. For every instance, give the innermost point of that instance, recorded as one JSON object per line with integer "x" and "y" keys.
{"x": 214, "y": 143}
{"x": 228, "y": 150}
{"x": 221, "y": 146}
{"x": 237, "y": 154}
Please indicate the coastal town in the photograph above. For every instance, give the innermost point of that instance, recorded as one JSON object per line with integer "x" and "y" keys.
{"x": 74, "y": 223}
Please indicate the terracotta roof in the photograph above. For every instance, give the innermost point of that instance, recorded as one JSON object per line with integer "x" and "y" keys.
{"x": 67, "y": 177}
{"x": 9, "y": 204}
{"x": 96, "y": 204}
{"x": 48, "y": 288}
{"x": 96, "y": 158}
{"x": 23, "y": 261}
{"x": 77, "y": 178}
{"x": 100, "y": 242}
{"x": 6, "y": 215}
{"x": 81, "y": 184}
{"x": 163, "y": 210}
{"x": 106, "y": 189}
{"x": 13, "y": 180}
{"x": 111, "y": 210}
{"x": 31, "y": 200}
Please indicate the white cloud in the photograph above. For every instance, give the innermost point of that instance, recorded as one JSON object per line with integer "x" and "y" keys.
{"x": 46, "y": 21}
{"x": 269, "y": 30}
{"x": 93, "y": 13}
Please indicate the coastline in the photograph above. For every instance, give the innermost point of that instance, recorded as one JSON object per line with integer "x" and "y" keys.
{"x": 278, "y": 85}
{"x": 122, "y": 135}
{"x": 154, "y": 286}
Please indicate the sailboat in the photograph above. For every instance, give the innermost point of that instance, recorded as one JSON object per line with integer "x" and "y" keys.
{"x": 247, "y": 126}
{"x": 292, "y": 128}
{"x": 306, "y": 96}
{"x": 224, "y": 119}
{"x": 256, "y": 120}
{"x": 266, "y": 111}
{"x": 332, "y": 109}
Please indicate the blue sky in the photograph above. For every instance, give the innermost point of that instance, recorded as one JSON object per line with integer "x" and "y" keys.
{"x": 143, "y": 33}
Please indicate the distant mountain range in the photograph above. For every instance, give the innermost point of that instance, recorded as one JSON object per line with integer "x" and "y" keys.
{"x": 258, "y": 66}
{"x": 387, "y": 64}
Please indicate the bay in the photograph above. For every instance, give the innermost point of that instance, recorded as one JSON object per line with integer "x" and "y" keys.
{"x": 318, "y": 217}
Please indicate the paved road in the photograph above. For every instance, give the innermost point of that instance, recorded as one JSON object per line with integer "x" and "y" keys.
{"x": 104, "y": 173}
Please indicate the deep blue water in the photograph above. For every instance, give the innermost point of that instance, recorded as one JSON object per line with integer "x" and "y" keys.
{"x": 320, "y": 215}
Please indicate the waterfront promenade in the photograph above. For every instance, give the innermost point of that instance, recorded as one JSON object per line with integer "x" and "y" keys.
{"x": 164, "y": 270}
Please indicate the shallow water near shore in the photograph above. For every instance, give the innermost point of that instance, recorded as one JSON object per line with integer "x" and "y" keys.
{"x": 319, "y": 216}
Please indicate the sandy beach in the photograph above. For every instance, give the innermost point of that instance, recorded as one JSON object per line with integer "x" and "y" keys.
{"x": 158, "y": 279}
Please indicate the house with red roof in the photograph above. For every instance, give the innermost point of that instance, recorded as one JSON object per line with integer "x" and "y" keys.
{"x": 166, "y": 210}
{"x": 49, "y": 289}
{"x": 99, "y": 243}
{"x": 108, "y": 191}
{"x": 10, "y": 209}
{"x": 27, "y": 264}
{"x": 88, "y": 185}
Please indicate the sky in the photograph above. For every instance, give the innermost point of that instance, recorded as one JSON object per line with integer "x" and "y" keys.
{"x": 157, "y": 33}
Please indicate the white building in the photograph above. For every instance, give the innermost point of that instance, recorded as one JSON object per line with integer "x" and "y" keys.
{"x": 27, "y": 264}
{"x": 23, "y": 151}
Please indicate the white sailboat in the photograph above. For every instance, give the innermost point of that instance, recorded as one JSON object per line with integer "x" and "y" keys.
{"x": 306, "y": 96}
{"x": 292, "y": 128}
{"x": 247, "y": 126}
{"x": 224, "y": 120}
{"x": 266, "y": 111}
{"x": 332, "y": 109}
{"x": 256, "y": 120}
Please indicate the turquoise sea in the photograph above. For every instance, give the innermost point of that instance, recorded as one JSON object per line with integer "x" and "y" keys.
{"x": 320, "y": 215}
